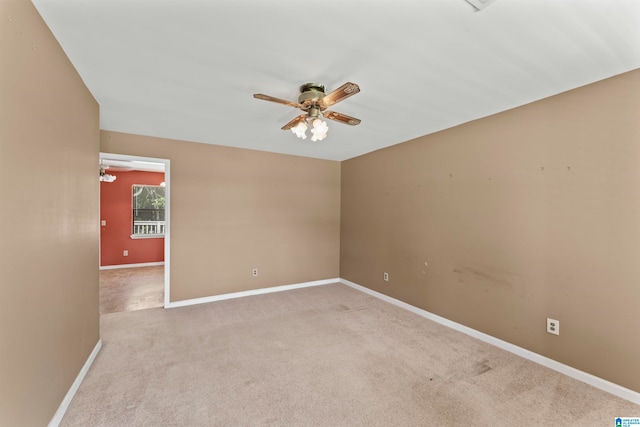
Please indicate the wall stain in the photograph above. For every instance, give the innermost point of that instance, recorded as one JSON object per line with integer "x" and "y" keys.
{"x": 482, "y": 275}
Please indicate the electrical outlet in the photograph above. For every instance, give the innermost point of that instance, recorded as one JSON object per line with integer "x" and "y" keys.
{"x": 553, "y": 326}
{"x": 386, "y": 276}
{"x": 125, "y": 253}
{"x": 254, "y": 272}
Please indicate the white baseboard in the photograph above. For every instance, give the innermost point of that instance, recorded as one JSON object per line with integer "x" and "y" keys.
{"x": 222, "y": 297}
{"x": 585, "y": 377}
{"x": 62, "y": 409}
{"x": 142, "y": 264}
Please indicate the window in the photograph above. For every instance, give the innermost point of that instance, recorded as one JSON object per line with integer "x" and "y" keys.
{"x": 148, "y": 211}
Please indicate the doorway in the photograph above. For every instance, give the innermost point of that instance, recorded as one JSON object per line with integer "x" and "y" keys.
{"x": 138, "y": 281}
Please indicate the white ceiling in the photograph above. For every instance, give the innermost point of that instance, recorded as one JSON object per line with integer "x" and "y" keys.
{"x": 187, "y": 69}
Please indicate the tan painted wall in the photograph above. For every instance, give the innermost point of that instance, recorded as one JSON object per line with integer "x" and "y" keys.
{"x": 234, "y": 209}
{"x": 49, "y": 142}
{"x": 500, "y": 223}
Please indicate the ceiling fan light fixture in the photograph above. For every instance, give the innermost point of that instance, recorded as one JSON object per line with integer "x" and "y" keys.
{"x": 300, "y": 130}
{"x": 319, "y": 130}
{"x": 105, "y": 177}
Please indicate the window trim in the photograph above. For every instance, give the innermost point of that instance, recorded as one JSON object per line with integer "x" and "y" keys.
{"x": 147, "y": 236}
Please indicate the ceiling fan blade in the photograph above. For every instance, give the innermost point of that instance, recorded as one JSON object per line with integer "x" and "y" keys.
{"x": 294, "y": 122}
{"x": 343, "y": 92}
{"x": 342, "y": 118}
{"x": 278, "y": 100}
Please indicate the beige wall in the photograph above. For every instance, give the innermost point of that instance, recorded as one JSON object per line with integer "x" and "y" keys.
{"x": 49, "y": 142}
{"x": 234, "y": 209}
{"x": 502, "y": 222}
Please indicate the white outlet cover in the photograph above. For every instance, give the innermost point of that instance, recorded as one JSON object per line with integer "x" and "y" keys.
{"x": 553, "y": 326}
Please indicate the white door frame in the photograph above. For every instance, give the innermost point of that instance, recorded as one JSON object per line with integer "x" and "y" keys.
{"x": 167, "y": 213}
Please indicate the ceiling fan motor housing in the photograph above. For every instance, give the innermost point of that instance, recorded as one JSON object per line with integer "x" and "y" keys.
{"x": 310, "y": 95}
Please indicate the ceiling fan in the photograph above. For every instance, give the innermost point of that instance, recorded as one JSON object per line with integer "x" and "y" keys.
{"x": 314, "y": 102}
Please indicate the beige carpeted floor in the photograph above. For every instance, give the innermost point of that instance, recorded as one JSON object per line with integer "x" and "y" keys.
{"x": 321, "y": 356}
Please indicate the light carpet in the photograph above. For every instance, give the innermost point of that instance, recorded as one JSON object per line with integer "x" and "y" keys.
{"x": 319, "y": 356}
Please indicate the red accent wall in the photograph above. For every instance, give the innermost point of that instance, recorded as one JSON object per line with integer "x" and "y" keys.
{"x": 115, "y": 208}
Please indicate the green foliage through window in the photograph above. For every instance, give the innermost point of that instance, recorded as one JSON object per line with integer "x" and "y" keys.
{"x": 148, "y": 209}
